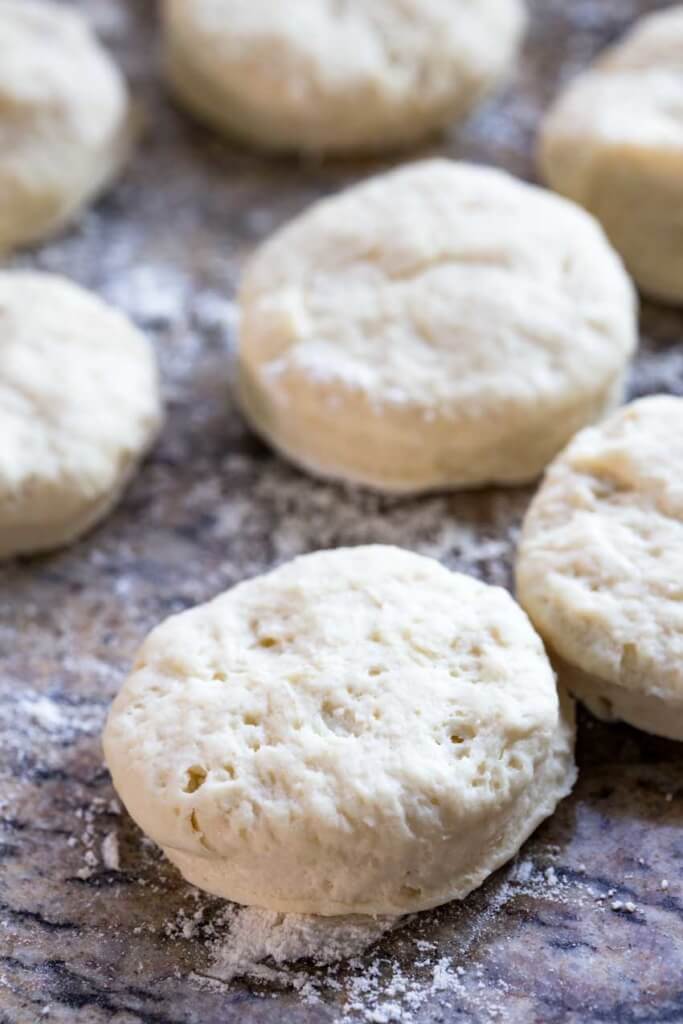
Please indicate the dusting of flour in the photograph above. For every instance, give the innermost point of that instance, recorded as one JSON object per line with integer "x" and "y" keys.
{"x": 341, "y": 958}
{"x": 259, "y": 937}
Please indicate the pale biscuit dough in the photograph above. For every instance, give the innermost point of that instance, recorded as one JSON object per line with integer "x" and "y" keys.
{"x": 337, "y": 75}
{"x": 613, "y": 142}
{"x": 600, "y": 567}
{"x": 442, "y": 325}
{"x": 65, "y": 120}
{"x": 359, "y": 731}
{"x": 79, "y": 406}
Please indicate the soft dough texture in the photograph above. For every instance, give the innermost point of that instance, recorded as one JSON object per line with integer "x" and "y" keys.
{"x": 337, "y": 76}
{"x": 614, "y": 143}
{"x": 359, "y": 731}
{"x": 65, "y": 123}
{"x": 442, "y": 325}
{"x": 79, "y": 405}
{"x": 600, "y": 568}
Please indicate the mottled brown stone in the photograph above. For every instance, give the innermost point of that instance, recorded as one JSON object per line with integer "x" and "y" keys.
{"x": 87, "y": 944}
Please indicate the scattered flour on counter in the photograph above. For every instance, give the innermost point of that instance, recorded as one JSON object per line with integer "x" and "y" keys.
{"x": 88, "y": 817}
{"x": 43, "y": 732}
{"x": 213, "y": 311}
{"x": 153, "y": 295}
{"x": 338, "y": 957}
{"x": 159, "y": 296}
{"x": 384, "y": 993}
{"x": 28, "y": 715}
{"x": 44, "y": 712}
{"x": 257, "y": 936}
{"x": 326, "y": 515}
{"x": 110, "y": 852}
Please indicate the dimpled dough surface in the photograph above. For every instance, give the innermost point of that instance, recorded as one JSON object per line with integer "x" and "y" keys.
{"x": 441, "y": 325}
{"x": 360, "y": 730}
{"x": 341, "y": 75}
{"x": 614, "y": 142}
{"x": 65, "y": 125}
{"x": 79, "y": 405}
{"x": 600, "y": 567}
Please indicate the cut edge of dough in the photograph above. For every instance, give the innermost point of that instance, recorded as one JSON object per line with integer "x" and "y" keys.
{"x": 611, "y": 702}
{"x": 41, "y": 538}
{"x": 246, "y": 394}
{"x": 554, "y": 781}
{"x": 109, "y": 165}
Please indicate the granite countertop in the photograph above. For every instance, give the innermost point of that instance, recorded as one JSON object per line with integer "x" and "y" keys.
{"x": 586, "y": 926}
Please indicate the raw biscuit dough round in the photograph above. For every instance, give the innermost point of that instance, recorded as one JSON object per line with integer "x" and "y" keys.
{"x": 65, "y": 120}
{"x": 613, "y": 142}
{"x": 442, "y": 325}
{"x": 358, "y": 731}
{"x": 600, "y": 566}
{"x": 79, "y": 406}
{"x": 325, "y": 75}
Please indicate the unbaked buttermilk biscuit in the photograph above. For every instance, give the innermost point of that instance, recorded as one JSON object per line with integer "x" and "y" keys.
{"x": 320, "y": 75}
{"x": 65, "y": 118}
{"x": 359, "y": 731}
{"x": 443, "y": 325}
{"x": 613, "y": 142}
{"x": 79, "y": 407}
{"x": 600, "y": 566}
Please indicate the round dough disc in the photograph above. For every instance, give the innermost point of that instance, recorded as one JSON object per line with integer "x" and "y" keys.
{"x": 79, "y": 406}
{"x": 65, "y": 121}
{"x": 359, "y": 731}
{"x": 600, "y": 567}
{"x": 337, "y": 76}
{"x": 613, "y": 142}
{"x": 442, "y": 325}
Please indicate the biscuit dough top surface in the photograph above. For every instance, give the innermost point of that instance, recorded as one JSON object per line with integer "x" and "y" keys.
{"x": 632, "y": 96}
{"x": 56, "y": 80}
{"x": 441, "y": 287}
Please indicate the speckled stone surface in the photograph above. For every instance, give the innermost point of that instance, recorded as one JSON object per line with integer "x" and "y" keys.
{"x": 581, "y": 928}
